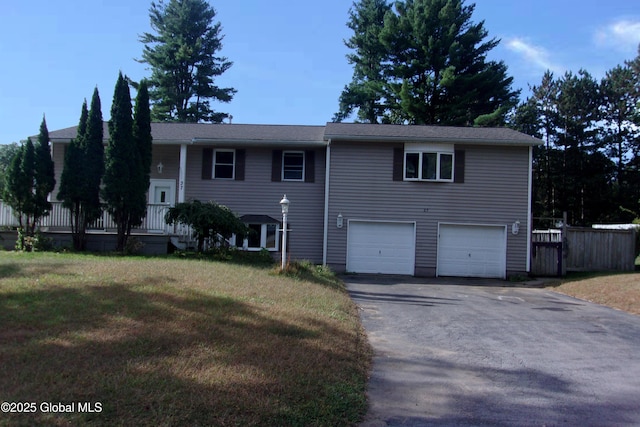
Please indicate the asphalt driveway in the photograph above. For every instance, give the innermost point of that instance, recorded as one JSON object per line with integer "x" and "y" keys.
{"x": 460, "y": 352}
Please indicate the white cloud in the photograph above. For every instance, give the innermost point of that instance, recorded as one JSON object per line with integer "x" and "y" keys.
{"x": 623, "y": 35}
{"x": 536, "y": 56}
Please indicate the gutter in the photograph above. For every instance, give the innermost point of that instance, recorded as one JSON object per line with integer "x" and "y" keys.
{"x": 258, "y": 142}
{"x": 325, "y": 232}
{"x": 469, "y": 141}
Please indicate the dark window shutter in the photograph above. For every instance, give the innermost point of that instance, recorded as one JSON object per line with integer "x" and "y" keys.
{"x": 240, "y": 155}
{"x": 276, "y": 166}
{"x": 458, "y": 168}
{"x": 207, "y": 163}
{"x": 398, "y": 163}
{"x": 309, "y": 166}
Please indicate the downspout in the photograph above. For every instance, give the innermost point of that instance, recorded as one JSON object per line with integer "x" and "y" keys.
{"x": 326, "y": 203}
{"x": 529, "y": 207}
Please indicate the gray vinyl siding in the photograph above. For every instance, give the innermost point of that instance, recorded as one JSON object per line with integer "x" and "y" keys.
{"x": 494, "y": 192}
{"x": 257, "y": 195}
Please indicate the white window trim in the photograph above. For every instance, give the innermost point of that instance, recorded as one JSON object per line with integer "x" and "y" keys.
{"x": 421, "y": 150}
{"x": 304, "y": 164}
{"x": 223, "y": 150}
{"x": 263, "y": 240}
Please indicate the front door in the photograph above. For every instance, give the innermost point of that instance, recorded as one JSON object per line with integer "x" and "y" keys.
{"x": 162, "y": 195}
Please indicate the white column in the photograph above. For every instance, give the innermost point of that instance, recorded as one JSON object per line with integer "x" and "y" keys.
{"x": 182, "y": 173}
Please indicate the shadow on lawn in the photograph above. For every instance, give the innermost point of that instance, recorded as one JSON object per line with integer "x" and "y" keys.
{"x": 180, "y": 358}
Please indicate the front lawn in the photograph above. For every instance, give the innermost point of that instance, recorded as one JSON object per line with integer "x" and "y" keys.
{"x": 162, "y": 342}
{"x": 621, "y": 291}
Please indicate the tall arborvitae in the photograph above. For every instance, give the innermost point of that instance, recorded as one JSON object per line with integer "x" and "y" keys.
{"x": 143, "y": 139}
{"x": 366, "y": 92}
{"x": 93, "y": 154}
{"x": 72, "y": 180}
{"x": 121, "y": 163}
{"x": 44, "y": 173}
{"x": 18, "y": 186}
{"x": 82, "y": 172}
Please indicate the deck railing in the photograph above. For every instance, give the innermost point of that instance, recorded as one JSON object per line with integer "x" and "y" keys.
{"x": 59, "y": 219}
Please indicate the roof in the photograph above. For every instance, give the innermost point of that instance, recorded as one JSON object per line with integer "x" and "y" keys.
{"x": 248, "y": 134}
{"x": 167, "y": 132}
{"x": 424, "y": 133}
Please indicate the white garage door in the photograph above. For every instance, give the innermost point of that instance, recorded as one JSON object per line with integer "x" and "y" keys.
{"x": 381, "y": 247}
{"x": 472, "y": 250}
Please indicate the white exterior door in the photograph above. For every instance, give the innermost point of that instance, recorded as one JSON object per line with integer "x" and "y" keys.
{"x": 381, "y": 247}
{"x": 162, "y": 195}
{"x": 467, "y": 250}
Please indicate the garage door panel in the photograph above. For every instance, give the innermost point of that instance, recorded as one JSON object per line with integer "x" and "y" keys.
{"x": 471, "y": 250}
{"x": 381, "y": 247}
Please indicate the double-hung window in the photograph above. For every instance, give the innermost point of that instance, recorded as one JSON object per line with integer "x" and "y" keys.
{"x": 293, "y": 165}
{"x": 224, "y": 164}
{"x": 424, "y": 162}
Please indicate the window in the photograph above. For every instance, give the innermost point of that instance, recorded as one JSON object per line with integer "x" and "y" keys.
{"x": 262, "y": 236}
{"x": 428, "y": 164}
{"x": 223, "y": 164}
{"x": 293, "y": 165}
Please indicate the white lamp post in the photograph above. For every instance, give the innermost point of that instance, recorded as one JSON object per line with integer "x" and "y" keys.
{"x": 284, "y": 203}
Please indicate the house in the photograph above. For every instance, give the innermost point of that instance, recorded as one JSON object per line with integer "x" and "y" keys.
{"x": 415, "y": 200}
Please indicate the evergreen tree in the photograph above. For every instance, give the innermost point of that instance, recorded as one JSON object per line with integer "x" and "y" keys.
{"x": 7, "y": 153}
{"x": 143, "y": 141}
{"x": 93, "y": 153}
{"x": 183, "y": 57}
{"x": 18, "y": 186}
{"x": 44, "y": 173}
{"x": 620, "y": 101}
{"x": 366, "y": 92}
{"x": 82, "y": 172}
{"x": 19, "y": 191}
{"x": 121, "y": 163}
{"x": 72, "y": 180}
{"x": 439, "y": 73}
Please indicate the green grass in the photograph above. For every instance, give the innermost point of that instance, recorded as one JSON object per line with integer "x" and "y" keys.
{"x": 178, "y": 342}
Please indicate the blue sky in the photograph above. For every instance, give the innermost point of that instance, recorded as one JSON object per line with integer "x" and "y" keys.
{"x": 289, "y": 57}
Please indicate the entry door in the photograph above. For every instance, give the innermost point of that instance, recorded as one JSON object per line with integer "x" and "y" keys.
{"x": 162, "y": 195}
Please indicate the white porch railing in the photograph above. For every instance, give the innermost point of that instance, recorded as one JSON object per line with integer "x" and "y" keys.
{"x": 59, "y": 219}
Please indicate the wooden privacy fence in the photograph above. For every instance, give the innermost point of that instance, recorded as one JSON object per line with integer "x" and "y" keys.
{"x": 582, "y": 249}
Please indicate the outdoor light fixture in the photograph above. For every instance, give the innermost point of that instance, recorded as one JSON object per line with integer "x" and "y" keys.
{"x": 515, "y": 227}
{"x": 339, "y": 221}
{"x": 284, "y": 203}
{"x": 160, "y": 167}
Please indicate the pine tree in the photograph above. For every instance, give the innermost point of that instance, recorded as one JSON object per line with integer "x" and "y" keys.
{"x": 122, "y": 159}
{"x": 367, "y": 90}
{"x": 439, "y": 73}
{"x": 183, "y": 58}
